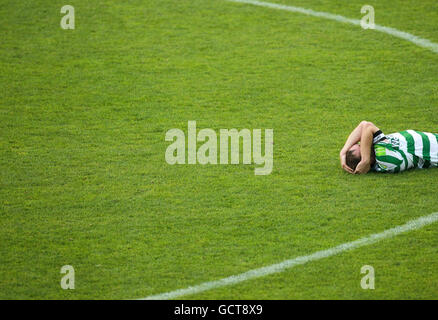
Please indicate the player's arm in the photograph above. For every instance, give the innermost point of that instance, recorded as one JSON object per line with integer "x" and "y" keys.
{"x": 354, "y": 137}
{"x": 366, "y": 144}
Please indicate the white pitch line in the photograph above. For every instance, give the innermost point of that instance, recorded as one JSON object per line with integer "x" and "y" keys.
{"x": 287, "y": 264}
{"x": 425, "y": 43}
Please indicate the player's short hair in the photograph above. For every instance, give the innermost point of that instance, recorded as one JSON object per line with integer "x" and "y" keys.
{"x": 352, "y": 159}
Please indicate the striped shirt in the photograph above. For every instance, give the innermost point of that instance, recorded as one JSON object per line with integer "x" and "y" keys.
{"x": 405, "y": 150}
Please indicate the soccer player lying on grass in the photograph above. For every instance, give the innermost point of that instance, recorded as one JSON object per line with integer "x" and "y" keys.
{"x": 367, "y": 148}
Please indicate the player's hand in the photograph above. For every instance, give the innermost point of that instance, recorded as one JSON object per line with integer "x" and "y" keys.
{"x": 362, "y": 167}
{"x": 343, "y": 157}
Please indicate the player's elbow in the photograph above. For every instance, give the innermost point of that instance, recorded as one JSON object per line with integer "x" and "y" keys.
{"x": 369, "y": 126}
{"x": 365, "y": 124}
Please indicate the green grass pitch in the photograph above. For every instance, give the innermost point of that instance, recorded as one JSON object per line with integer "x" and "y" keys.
{"x": 84, "y": 181}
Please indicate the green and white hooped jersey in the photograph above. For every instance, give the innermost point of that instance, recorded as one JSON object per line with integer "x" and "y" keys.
{"x": 405, "y": 150}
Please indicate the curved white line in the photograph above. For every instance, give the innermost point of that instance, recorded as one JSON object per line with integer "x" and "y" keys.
{"x": 421, "y": 42}
{"x": 287, "y": 264}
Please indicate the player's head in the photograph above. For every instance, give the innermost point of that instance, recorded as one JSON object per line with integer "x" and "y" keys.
{"x": 353, "y": 156}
